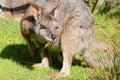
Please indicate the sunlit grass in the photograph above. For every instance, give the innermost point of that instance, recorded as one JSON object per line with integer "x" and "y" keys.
{"x": 13, "y": 51}
{"x": 108, "y": 30}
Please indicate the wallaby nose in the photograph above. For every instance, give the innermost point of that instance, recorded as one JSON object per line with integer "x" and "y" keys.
{"x": 53, "y": 37}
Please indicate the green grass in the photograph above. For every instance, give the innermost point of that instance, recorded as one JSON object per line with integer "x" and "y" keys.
{"x": 13, "y": 51}
{"x": 108, "y": 30}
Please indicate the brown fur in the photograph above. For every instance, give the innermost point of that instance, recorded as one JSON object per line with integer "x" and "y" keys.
{"x": 69, "y": 23}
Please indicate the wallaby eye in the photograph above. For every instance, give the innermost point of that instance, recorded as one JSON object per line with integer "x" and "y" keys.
{"x": 56, "y": 27}
{"x": 42, "y": 27}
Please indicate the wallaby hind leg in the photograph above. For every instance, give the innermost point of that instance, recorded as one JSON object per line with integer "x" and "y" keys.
{"x": 67, "y": 61}
{"x": 65, "y": 71}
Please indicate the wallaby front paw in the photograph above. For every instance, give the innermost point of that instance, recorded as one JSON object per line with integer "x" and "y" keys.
{"x": 57, "y": 75}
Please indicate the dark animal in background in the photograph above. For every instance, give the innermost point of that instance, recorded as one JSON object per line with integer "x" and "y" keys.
{"x": 14, "y": 9}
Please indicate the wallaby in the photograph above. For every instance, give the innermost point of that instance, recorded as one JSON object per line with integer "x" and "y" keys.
{"x": 67, "y": 23}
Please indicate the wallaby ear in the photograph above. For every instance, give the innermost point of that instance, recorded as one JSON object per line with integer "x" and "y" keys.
{"x": 53, "y": 11}
{"x": 51, "y": 14}
{"x": 36, "y": 10}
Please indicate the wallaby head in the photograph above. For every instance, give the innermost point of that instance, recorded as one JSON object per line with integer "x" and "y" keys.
{"x": 45, "y": 24}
